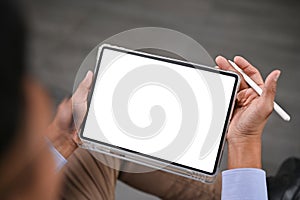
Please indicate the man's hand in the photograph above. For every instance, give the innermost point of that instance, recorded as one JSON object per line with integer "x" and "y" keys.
{"x": 63, "y": 130}
{"x": 250, "y": 115}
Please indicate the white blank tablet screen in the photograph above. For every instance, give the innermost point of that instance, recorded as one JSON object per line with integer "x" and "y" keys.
{"x": 157, "y": 103}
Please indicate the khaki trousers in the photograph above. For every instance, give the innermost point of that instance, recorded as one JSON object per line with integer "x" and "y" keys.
{"x": 87, "y": 178}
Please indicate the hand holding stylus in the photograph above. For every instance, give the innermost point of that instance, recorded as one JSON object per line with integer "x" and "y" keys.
{"x": 250, "y": 115}
{"x": 258, "y": 90}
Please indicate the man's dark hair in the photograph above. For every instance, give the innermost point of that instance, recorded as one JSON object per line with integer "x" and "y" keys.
{"x": 12, "y": 60}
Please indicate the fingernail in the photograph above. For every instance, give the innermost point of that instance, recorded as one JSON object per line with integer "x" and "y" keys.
{"x": 219, "y": 56}
{"x": 87, "y": 74}
{"x": 277, "y": 76}
{"x": 237, "y": 57}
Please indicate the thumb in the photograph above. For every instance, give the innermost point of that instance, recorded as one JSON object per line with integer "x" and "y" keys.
{"x": 82, "y": 91}
{"x": 269, "y": 90}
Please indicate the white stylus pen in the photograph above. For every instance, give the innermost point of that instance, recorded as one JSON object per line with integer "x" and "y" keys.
{"x": 257, "y": 89}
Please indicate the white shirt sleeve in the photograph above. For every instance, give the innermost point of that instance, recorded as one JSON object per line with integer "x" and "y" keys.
{"x": 59, "y": 159}
{"x": 244, "y": 183}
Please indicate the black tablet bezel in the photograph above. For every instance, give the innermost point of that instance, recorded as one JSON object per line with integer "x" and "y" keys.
{"x": 173, "y": 61}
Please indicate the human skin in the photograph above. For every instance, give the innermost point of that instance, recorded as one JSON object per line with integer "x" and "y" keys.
{"x": 63, "y": 131}
{"x": 28, "y": 171}
{"x": 250, "y": 115}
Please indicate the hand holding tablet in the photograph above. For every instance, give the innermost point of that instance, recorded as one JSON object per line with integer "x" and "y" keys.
{"x": 250, "y": 115}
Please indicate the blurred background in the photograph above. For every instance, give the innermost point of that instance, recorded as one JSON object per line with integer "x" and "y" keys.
{"x": 266, "y": 32}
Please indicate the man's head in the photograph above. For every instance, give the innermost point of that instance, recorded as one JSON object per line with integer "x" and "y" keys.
{"x": 12, "y": 71}
{"x": 27, "y": 168}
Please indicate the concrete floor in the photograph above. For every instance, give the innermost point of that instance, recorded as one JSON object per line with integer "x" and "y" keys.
{"x": 265, "y": 31}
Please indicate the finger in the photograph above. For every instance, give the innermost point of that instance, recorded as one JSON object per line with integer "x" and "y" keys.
{"x": 245, "y": 97}
{"x": 63, "y": 116}
{"x": 222, "y": 63}
{"x": 83, "y": 89}
{"x": 249, "y": 69}
{"x": 225, "y": 65}
{"x": 269, "y": 92}
{"x": 76, "y": 138}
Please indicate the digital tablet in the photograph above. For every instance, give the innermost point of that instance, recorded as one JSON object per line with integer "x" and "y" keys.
{"x": 158, "y": 111}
